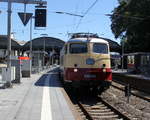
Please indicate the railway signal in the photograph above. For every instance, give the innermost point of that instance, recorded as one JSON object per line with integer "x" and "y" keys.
{"x": 40, "y": 17}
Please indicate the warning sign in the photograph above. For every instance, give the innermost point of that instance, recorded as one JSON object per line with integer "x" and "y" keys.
{"x": 25, "y": 17}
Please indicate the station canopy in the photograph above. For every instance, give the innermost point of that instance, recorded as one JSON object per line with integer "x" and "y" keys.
{"x": 4, "y": 43}
{"x": 47, "y": 44}
{"x": 114, "y": 46}
{"x": 44, "y": 43}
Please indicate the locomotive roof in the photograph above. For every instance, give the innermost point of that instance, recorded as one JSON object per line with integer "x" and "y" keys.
{"x": 95, "y": 40}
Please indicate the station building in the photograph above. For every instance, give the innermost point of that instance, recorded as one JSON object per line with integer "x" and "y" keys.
{"x": 16, "y": 47}
{"x": 45, "y": 50}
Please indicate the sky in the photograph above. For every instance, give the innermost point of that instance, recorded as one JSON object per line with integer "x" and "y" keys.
{"x": 59, "y": 25}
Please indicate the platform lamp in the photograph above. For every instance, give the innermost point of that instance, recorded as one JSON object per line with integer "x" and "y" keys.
{"x": 30, "y": 46}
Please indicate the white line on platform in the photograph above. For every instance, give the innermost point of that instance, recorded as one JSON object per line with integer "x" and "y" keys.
{"x": 46, "y": 113}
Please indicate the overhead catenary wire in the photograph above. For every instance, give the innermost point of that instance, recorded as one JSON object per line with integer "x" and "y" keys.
{"x": 138, "y": 18}
{"x": 75, "y": 11}
{"x": 86, "y": 12}
{"x": 63, "y": 26}
{"x": 83, "y": 14}
{"x": 126, "y": 16}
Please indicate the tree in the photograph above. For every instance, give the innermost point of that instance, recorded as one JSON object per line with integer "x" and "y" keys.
{"x": 131, "y": 19}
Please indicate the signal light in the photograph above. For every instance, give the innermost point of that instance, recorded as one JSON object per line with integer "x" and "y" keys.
{"x": 40, "y": 17}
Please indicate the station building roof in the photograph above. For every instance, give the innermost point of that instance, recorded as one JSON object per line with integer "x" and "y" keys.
{"x": 47, "y": 43}
{"x": 3, "y": 43}
{"x": 114, "y": 46}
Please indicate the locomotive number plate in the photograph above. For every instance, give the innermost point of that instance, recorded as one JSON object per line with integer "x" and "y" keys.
{"x": 89, "y": 76}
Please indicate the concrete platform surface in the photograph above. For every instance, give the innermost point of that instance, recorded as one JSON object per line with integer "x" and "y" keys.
{"x": 37, "y": 98}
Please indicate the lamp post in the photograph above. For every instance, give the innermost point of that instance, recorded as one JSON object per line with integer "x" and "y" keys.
{"x": 122, "y": 61}
{"x": 9, "y": 39}
{"x": 44, "y": 36}
{"x": 31, "y": 44}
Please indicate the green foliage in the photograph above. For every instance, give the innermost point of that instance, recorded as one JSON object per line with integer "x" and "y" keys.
{"x": 132, "y": 20}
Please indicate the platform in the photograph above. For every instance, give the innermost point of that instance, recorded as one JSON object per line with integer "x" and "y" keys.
{"x": 138, "y": 82}
{"x": 40, "y": 97}
{"x": 124, "y": 72}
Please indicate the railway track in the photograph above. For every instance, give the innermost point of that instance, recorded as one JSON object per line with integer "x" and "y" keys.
{"x": 133, "y": 91}
{"x": 138, "y": 83}
{"x": 98, "y": 110}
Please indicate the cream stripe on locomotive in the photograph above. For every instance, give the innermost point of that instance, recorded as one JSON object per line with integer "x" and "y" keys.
{"x": 80, "y": 60}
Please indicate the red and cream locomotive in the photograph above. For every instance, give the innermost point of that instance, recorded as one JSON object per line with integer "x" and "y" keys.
{"x": 85, "y": 62}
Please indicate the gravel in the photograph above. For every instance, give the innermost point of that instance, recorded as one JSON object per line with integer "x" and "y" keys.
{"x": 136, "y": 109}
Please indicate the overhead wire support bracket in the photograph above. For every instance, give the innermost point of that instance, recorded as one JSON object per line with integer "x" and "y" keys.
{"x": 26, "y": 1}
{"x": 59, "y": 12}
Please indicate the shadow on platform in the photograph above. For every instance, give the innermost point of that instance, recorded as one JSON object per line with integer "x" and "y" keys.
{"x": 53, "y": 79}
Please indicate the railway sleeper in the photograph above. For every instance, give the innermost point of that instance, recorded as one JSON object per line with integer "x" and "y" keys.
{"x": 102, "y": 114}
{"x": 99, "y": 104}
{"x": 82, "y": 114}
{"x": 96, "y": 107}
{"x": 106, "y": 117}
{"x": 80, "y": 111}
{"x": 103, "y": 107}
{"x": 97, "y": 111}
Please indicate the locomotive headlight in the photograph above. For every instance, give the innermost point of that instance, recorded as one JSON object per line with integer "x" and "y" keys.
{"x": 90, "y": 61}
{"x": 104, "y": 70}
{"x": 75, "y": 70}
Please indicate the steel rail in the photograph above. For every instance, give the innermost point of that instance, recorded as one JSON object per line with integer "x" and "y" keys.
{"x": 89, "y": 116}
{"x": 121, "y": 115}
{"x": 140, "y": 96}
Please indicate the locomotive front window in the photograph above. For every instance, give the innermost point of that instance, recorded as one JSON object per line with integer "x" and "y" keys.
{"x": 78, "y": 48}
{"x": 100, "y": 48}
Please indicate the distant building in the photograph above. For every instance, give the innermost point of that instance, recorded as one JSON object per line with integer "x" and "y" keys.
{"x": 3, "y": 47}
